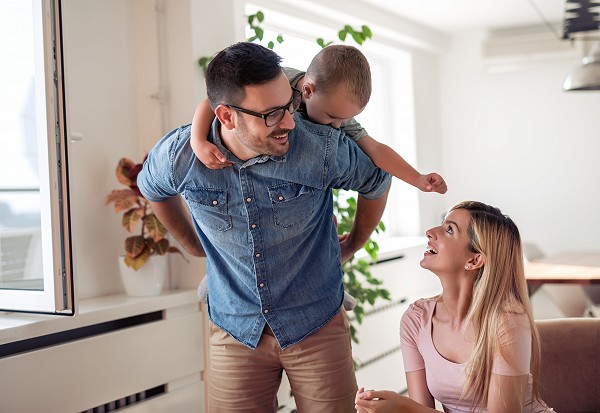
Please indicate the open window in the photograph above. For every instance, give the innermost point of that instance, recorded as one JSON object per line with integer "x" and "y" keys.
{"x": 35, "y": 258}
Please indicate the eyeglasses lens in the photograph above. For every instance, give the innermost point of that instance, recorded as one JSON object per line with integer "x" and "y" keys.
{"x": 275, "y": 117}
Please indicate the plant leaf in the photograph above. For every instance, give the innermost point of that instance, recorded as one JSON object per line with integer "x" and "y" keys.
{"x": 260, "y": 16}
{"x": 279, "y": 39}
{"x": 135, "y": 245}
{"x": 342, "y": 35}
{"x": 366, "y": 31}
{"x": 161, "y": 247}
{"x": 124, "y": 199}
{"x": 138, "y": 262}
{"x": 270, "y": 45}
{"x": 127, "y": 171}
{"x": 357, "y": 37}
{"x": 131, "y": 218}
{"x": 155, "y": 228}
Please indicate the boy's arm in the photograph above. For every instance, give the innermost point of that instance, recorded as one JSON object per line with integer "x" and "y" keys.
{"x": 208, "y": 153}
{"x": 390, "y": 161}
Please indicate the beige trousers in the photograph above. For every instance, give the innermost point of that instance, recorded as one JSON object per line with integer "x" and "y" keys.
{"x": 320, "y": 370}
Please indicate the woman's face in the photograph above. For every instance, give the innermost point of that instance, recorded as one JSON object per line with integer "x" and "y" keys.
{"x": 448, "y": 248}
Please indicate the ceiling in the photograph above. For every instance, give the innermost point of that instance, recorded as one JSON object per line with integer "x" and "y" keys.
{"x": 462, "y": 15}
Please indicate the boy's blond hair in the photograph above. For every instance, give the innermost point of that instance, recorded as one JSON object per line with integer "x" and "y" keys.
{"x": 342, "y": 65}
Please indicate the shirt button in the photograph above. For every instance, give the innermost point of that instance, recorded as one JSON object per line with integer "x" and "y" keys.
{"x": 261, "y": 285}
{"x": 266, "y": 311}
{"x": 257, "y": 254}
{"x": 280, "y": 197}
{"x": 253, "y": 226}
{"x": 248, "y": 199}
{"x": 215, "y": 202}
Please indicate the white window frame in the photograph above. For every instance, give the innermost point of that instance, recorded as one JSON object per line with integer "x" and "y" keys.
{"x": 57, "y": 294}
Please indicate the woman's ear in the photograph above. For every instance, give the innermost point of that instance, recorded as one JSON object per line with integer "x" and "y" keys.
{"x": 475, "y": 263}
{"x": 225, "y": 116}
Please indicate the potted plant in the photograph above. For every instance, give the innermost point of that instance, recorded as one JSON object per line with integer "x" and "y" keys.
{"x": 150, "y": 240}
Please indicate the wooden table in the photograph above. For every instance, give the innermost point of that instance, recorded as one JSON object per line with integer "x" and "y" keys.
{"x": 571, "y": 267}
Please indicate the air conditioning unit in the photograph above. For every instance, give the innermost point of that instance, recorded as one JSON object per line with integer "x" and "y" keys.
{"x": 516, "y": 49}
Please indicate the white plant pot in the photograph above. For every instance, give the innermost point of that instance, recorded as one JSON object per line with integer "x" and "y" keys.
{"x": 148, "y": 280}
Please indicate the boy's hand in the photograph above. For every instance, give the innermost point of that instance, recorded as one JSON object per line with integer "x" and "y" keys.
{"x": 210, "y": 156}
{"x": 432, "y": 183}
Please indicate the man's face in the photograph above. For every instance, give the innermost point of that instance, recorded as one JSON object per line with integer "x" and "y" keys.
{"x": 329, "y": 108}
{"x": 254, "y": 137}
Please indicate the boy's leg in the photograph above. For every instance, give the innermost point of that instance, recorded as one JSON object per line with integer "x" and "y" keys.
{"x": 321, "y": 370}
{"x": 242, "y": 379}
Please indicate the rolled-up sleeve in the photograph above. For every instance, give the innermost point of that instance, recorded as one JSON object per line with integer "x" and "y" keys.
{"x": 156, "y": 180}
{"x": 353, "y": 170}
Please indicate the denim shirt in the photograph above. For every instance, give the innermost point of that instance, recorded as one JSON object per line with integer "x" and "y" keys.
{"x": 266, "y": 225}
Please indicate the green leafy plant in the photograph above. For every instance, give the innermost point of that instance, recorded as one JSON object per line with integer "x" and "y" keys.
{"x": 152, "y": 238}
{"x": 359, "y": 36}
{"x": 258, "y": 35}
{"x": 358, "y": 280}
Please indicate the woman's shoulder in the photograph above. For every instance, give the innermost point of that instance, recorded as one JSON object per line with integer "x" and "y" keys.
{"x": 420, "y": 311}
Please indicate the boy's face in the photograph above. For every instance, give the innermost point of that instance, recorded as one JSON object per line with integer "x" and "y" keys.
{"x": 329, "y": 108}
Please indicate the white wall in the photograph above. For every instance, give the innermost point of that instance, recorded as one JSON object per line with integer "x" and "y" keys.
{"x": 427, "y": 133}
{"x": 517, "y": 141}
{"x": 111, "y": 63}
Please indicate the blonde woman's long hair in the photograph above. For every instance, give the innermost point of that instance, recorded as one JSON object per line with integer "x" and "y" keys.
{"x": 500, "y": 289}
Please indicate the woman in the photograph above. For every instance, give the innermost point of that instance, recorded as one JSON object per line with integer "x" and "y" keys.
{"x": 474, "y": 347}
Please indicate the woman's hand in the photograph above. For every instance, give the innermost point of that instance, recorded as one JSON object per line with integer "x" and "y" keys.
{"x": 383, "y": 401}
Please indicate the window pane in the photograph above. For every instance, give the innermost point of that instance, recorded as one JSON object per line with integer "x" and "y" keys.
{"x": 20, "y": 240}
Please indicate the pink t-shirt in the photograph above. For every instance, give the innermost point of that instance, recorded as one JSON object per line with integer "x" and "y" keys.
{"x": 445, "y": 379}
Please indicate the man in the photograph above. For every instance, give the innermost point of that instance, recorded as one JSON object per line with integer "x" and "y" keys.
{"x": 265, "y": 224}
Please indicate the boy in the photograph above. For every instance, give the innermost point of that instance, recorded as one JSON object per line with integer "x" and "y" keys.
{"x": 335, "y": 88}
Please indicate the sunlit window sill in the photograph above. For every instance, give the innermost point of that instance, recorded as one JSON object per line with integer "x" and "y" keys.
{"x": 22, "y": 326}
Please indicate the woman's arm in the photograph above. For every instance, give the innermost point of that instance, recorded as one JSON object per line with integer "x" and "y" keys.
{"x": 390, "y": 161}
{"x": 417, "y": 388}
{"x": 206, "y": 152}
{"x": 506, "y": 393}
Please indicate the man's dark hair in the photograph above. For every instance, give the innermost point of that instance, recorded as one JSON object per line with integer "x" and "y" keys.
{"x": 236, "y": 66}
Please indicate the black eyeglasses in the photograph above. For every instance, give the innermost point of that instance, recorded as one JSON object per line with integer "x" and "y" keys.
{"x": 273, "y": 117}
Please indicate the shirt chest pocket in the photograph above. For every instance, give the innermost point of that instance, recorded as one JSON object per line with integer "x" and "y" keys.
{"x": 209, "y": 207}
{"x": 292, "y": 203}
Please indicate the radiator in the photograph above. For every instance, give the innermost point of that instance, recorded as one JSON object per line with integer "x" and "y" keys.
{"x": 150, "y": 362}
